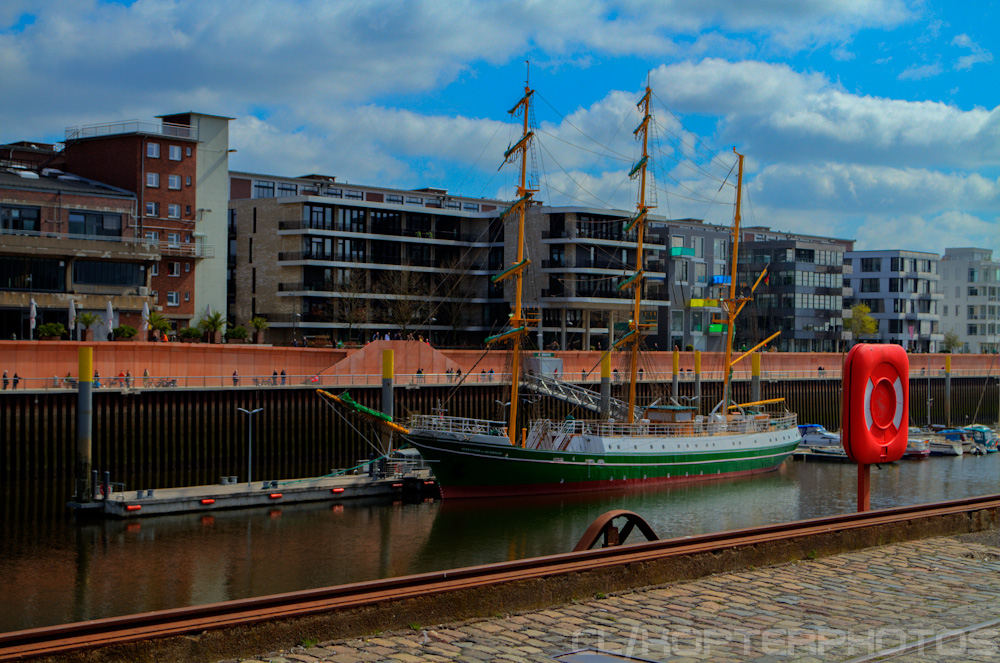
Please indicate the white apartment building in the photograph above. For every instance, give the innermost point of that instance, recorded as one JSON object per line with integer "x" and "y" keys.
{"x": 970, "y": 281}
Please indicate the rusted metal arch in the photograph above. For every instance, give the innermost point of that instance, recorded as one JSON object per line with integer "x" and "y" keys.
{"x": 603, "y": 527}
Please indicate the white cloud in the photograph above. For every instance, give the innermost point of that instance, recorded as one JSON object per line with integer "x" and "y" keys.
{"x": 919, "y": 72}
{"x": 978, "y": 54}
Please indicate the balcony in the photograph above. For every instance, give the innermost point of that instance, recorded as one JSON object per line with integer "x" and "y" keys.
{"x": 47, "y": 243}
{"x": 704, "y": 303}
{"x": 184, "y": 249}
{"x": 681, "y": 252}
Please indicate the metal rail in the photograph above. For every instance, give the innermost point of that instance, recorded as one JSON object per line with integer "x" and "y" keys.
{"x": 62, "y": 639}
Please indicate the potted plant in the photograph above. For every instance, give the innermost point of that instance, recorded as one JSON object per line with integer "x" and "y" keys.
{"x": 189, "y": 335}
{"x": 236, "y": 334}
{"x": 158, "y": 323}
{"x": 124, "y": 333}
{"x": 88, "y": 320}
{"x": 259, "y": 324}
{"x": 212, "y": 326}
{"x": 51, "y": 331}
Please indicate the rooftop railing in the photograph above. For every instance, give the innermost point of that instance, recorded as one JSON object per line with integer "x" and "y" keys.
{"x": 132, "y": 127}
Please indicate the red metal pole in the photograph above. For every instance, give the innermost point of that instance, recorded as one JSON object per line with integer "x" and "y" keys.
{"x": 864, "y": 487}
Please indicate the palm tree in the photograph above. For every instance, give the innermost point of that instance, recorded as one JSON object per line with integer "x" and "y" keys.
{"x": 158, "y": 322}
{"x": 88, "y": 320}
{"x": 213, "y": 325}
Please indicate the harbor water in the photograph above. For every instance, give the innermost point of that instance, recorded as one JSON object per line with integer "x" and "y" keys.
{"x": 57, "y": 569}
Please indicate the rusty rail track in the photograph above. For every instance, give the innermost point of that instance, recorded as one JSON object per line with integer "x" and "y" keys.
{"x": 58, "y": 642}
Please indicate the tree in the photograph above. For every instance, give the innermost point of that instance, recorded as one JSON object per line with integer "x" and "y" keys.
{"x": 352, "y": 303}
{"x": 951, "y": 342}
{"x": 404, "y": 301}
{"x": 861, "y": 323}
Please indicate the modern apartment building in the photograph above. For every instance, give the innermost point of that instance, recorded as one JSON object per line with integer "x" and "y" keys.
{"x": 66, "y": 238}
{"x": 803, "y": 294}
{"x": 970, "y": 284}
{"x": 178, "y": 169}
{"x": 902, "y": 289}
{"x": 318, "y": 257}
{"x": 583, "y": 254}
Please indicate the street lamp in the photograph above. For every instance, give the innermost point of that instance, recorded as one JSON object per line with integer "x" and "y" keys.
{"x": 250, "y": 414}
{"x": 295, "y": 332}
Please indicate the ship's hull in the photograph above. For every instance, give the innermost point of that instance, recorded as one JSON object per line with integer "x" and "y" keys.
{"x": 469, "y": 468}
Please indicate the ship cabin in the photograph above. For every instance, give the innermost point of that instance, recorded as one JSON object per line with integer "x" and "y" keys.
{"x": 669, "y": 414}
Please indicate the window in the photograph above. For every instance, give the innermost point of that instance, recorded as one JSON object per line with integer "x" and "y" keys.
{"x": 173, "y": 211}
{"x": 187, "y": 210}
{"x": 699, "y": 246}
{"x": 174, "y": 268}
{"x": 263, "y": 189}
{"x": 187, "y": 296}
{"x": 152, "y": 209}
{"x": 152, "y": 180}
{"x": 720, "y": 249}
{"x": 174, "y": 152}
{"x": 173, "y": 181}
{"x": 152, "y": 236}
{"x": 895, "y": 326}
{"x": 393, "y": 199}
{"x": 156, "y": 297}
{"x": 153, "y": 150}
{"x": 677, "y": 241}
{"x": 187, "y": 267}
{"x": 173, "y": 298}
{"x": 285, "y": 190}
{"x": 32, "y": 274}
{"x": 872, "y": 264}
{"x": 870, "y": 285}
{"x": 677, "y": 321}
{"x": 452, "y": 204}
{"x": 187, "y": 151}
{"x": 92, "y": 223}
{"x": 100, "y": 272}
{"x": 353, "y": 195}
{"x": 155, "y": 269}
{"x": 187, "y": 181}
{"x": 413, "y": 200}
{"x": 471, "y": 207}
{"x": 20, "y": 218}
{"x": 173, "y": 240}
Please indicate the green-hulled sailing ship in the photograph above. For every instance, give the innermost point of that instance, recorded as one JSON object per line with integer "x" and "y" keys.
{"x": 643, "y": 444}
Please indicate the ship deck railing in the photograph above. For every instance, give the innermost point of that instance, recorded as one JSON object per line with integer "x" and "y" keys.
{"x": 707, "y": 427}
{"x": 464, "y": 425}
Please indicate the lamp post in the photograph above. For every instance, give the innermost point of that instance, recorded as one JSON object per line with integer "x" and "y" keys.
{"x": 295, "y": 332}
{"x": 250, "y": 414}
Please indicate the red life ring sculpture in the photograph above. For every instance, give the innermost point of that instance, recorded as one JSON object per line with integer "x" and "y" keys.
{"x": 876, "y": 401}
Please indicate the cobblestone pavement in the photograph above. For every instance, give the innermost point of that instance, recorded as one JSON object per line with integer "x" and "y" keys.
{"x": 852, "y": 607}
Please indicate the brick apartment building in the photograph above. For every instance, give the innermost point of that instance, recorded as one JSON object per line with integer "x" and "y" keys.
{"x": 66, "y": 238}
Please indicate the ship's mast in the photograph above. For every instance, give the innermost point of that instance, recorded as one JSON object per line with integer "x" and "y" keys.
{"x": 733, "y": 303}
{"x": 518, "y": 323}
{"x": 639, "y": 223}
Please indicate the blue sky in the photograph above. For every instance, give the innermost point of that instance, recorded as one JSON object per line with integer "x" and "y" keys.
{"x": 871, "y": 120}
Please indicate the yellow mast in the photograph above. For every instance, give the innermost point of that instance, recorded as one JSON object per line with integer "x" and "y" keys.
{"x": 518, "y": 323}
{"x": 639, "y": 222}
{"x": 733, "y": 303}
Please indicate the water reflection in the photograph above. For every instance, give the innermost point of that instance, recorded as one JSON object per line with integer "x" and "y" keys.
{"x": 61, "y": 570}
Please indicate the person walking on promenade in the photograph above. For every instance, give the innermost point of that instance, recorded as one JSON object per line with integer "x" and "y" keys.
{"x": 282, "y": 377}
{"x": 145, "y": 377}
{"x": 274, "y": 379}
{"x": 97, "y": 380}
{"x": 17, "y": 378}
{"x": 236, "y": 379}
{"x": 128, "y": 377}
{"x": 6, "y": 380}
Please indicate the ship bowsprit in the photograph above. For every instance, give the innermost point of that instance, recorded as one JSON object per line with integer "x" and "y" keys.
{"x": 579, "y": 396}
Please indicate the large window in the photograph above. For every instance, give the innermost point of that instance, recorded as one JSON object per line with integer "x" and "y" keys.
{"x": 153, "y": 150}
{"x": 20, "y": 218}
{"x": 173, "y": 181}
{"x": 31, "y": 274}
{"x": 152, "y": 180}
{"x": 286, "y": 189}
{"x": 263, "y": 189}
{"x": 92, "y": 223}
{"x": 93, "y": 272}
{"x": 173, "y": 298}
{"x": 152, "y": 209}
{"x": 871, "y": 264}
{"x": 173, "y": 211}
{"x": 175, "y": 152}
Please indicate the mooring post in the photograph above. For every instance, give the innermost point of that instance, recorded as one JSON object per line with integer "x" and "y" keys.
{"x": 755, "y": 377}
{"x": 388, "y": 373}
{"x": 675, "y": 391}
{"x": 84, "y": 419}
{"x": 388, "y": 397}
{"x": 947, "y": 390}
{"x": 605, "y": 385}
{"x": 864, "y": 487}
{"x": 697, "y": 378}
